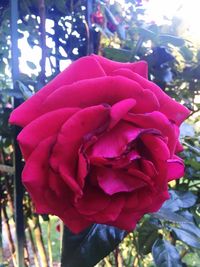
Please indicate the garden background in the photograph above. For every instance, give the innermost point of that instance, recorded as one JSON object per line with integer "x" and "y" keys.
{"x": 38, "y": 39}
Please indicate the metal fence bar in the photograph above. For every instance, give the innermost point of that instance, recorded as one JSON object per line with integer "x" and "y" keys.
{"x": 18, "y": 188}
{"x": 89, "y": 8}
{"x": 1, "y": 243}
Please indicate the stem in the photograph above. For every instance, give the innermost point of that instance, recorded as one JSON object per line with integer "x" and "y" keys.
{"x": 138, "y": 260}
{"x": 49, "y": 244}
{"x": 9, "y": 235}
{"x": 107, "y": 262}
{"x": 116, "y": 257}
{"x": 39, "y": 240}
{"x": 36, "y": 261}
{"x": 26, "y": 255}
{"x": 183, "y": 253}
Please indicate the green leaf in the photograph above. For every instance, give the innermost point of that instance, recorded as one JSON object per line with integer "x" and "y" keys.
{"x": 31, "y": 65}
{"x": 121, "y": 31}
{"x": 147, "y": 34}
{"x": 147, "y": 234}
{"x": 165, "y": 254}
{"x": 190, "y": 227}
{"x": 26, "y": 92}
{"x": 187, "y": 237}
{"x": 121, "y": 55}
{"x": 179, "y": 200}
{"x": 90, "y": 246}
{"x": 166, "y": 214}
{"x": 13, "y": 92}
{"x": 176, "y": 41}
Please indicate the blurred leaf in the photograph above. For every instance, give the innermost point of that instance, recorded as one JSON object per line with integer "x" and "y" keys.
{"x": 147, "y": 234}
{"x": 90, "y": 246}
{"x": 121, "y": 31}
{"x": 121, "y": 55}
{"x": 187, "y": 53}
{"x": 110, "y": 16}
{"x": 187, "y": 237}
{"x": 147, "y": 34}
{"x": 192, "y": 228}
{"x": 159, "y": 56}
{"x": 31, "y": 65}
{"x": 186, "y": 130}
{"x": 176, "y": 41}
{"x": 26, "y": 92}
{"x": 168, "y": 215}
{"x": 179, "y": 200}
{"x": 165, "y": 254}
{"x": 13, "y": 92}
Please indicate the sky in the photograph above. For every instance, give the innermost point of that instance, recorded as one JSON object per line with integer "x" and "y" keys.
{"x": 157, "y": 10}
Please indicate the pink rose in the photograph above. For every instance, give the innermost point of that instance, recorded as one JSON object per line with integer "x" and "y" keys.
{"x": 100, "y": 144}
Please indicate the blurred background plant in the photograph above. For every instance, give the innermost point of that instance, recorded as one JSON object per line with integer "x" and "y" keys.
{"x": 51, "y": 34}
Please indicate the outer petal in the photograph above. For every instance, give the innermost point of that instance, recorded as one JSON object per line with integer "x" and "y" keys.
{"x": 35, "y": 178}
{"x": 92, "y": 202}
{"x": 140, "y": 67}
{"x": 30, "y": 109}
{"x": 111, "y": 212}
{"x": 175, "y": 168}
{"x": 127, "y": 220}
{"x": 172, "y": 109}
{"x": 41, "y": 128}
{"x": 74, "y": 221}
{"x": 108, "y": 90}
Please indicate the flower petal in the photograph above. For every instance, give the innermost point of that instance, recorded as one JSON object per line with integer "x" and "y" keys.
{"x": 140, "y": 67}
{"x": 92, "y": 202}
{"x": 175, "y": 168}
{"x": 115, "y": 181}
{"x": 156, "y": 120}
{"x": 113, "y": 143}
{"x": 41, "y": 128}
{"x": 64, "y": 155}
{"x": 30, "y": 109}
{"x": 111, "y": 212}
{"x": 120, "y": 109}
{"x": 108, "y": 90}
{"x": 172, "y": 109}
{"x": 35, "y": 178}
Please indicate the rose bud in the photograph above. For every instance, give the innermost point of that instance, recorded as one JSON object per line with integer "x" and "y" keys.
{"x": 100, "y": 143}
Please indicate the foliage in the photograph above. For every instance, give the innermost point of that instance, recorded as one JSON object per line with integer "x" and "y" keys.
{"x": 170, "y": 237}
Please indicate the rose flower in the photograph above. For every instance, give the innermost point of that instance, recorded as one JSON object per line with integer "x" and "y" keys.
{"x": 100, "y": 143}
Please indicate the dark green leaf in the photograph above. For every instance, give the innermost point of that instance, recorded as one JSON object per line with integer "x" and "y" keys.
{"x": 165, "y": 254}
{"x": 176, "y": 41}
{"x": 31, "y": 65}
{"x": 147, "y": 234}
{"x": 166, "y": 214}
{"x": 26, "y": 92}
{"x": 187, "y": 237}
{"x": 121, "y": 31}
{"x": 121, "y": 55}
{"x": 147, "y": 34}
{"x": 13, "y": 92}
{"x": 190, "y": 227}
{"x": 180, "y": 200}
{"x": 90, "y": 246}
